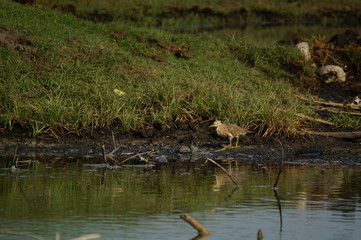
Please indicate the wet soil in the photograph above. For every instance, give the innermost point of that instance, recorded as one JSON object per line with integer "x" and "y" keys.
{"x": 185, "y": 142}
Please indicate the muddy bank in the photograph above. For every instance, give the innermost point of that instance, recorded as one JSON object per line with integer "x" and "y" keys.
{"x": 184, "y": 143}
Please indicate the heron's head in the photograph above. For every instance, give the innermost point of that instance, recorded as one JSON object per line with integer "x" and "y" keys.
{"x": 216, "y": 123}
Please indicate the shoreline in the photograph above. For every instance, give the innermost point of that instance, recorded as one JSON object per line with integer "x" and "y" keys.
{"x": 185, "y": 145}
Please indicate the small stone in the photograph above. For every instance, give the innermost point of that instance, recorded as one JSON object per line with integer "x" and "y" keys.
{"x": 185, "y": 149}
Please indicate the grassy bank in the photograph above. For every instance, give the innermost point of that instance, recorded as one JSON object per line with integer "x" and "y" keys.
{"x": 58, "y": 73}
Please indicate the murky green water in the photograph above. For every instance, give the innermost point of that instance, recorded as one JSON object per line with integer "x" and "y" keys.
{"x": 128, "y": 203}
{"x": 265, "y": 36}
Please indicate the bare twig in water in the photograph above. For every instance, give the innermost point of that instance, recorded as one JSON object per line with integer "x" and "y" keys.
{"x": 201, "y": 230}
{"x": 230, "y": 195}
{"x": 14, "y": 162}
{"x": 111, "y": 154}
{"x": 229, "y": 175}
{"x": 259, "y": 235}
{"x": 136, "y": 155}
{"x": 281, "y": 165}
{"x": 279, "y": 208}
{"x": 88, "y": 236}
{"x": 104, "y": 162}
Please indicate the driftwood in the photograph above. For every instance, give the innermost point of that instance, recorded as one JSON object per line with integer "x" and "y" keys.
{"x": 88, "y": 236}
{"x": 201, "y": 230}
{"x": 347, "y": 135}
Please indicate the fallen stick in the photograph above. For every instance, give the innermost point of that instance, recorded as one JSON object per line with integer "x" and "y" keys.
{"x": 136, "y": 155}
{"x": 224, "y": 170}
{"x": 201, "y": 230}
{"x": 315, "y": 119}
{"x": 335, "y": 110}
{"x": 348, "y": 135}
{"x": 88, "y": 236}
{"x": 328, "y": 103}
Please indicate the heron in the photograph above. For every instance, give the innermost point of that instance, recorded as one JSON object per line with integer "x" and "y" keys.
{"x": 228, "y": 130}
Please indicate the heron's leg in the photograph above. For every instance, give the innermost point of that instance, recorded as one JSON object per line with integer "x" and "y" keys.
{"x": 236, "y": 146}
{"x": 230, "y": 143}
{"x": 225, "y": 147}
{"x": 222, "y": 149}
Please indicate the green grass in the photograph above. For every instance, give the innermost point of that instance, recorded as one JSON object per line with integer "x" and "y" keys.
{"x": 67, "y": 86}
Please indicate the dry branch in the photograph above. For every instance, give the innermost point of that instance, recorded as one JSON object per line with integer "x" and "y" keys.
{"x": 201, "y": 230}
{"x": 328, "y": 103}
{"x": 315, "y": 119}
{"x": 88, "y": 236}
{"x": 136, "y": 155}
{"x": 335, "y": 110}
{"x": 229, "y": 175}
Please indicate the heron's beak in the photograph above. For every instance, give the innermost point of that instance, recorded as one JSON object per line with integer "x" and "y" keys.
{"x": 212, "y": 126}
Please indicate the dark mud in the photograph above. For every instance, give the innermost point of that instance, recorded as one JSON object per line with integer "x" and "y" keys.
{"x": 184, "y": 143}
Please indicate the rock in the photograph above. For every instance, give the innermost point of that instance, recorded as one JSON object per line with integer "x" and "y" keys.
{"x": 194, "y": 148}
{"x": 118, "y": 92}
{"x": 304, "y": 49}
{"x": 333, "y": 73}
{"x": 185, "y": 149}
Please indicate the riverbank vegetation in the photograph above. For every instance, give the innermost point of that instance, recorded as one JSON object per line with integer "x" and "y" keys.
{"x": 58, "y": 74}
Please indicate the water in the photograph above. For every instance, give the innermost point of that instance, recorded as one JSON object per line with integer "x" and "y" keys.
{"x": 127, "y": 203}
{"x": 265, "y": 36}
